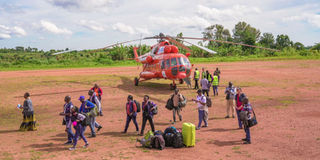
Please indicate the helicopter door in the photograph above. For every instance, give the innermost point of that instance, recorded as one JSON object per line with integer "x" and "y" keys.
{"x": 167, "y": 64}
{"x": 163, "y": 64}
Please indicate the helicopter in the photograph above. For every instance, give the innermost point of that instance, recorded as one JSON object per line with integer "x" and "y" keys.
{"x": 164, "y": 61}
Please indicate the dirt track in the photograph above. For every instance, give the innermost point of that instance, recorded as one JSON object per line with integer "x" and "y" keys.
{"x": 285, "y": 96}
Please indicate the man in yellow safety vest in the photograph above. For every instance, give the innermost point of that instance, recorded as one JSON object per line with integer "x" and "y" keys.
{"x": 215, "y": 84}
{"x": 196, "y": 78}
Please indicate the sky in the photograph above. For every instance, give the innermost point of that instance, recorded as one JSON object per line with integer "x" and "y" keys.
{"x": 90, "y": 24}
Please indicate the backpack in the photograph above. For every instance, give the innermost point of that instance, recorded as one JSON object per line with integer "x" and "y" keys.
{"x": 209, "y": 102}
{"x": 158, "y": 142}
{"x": 168, "y": 138}
{"x": 146, "y": 140}
{"x": 86, "y": 121}
{"x": 155, "y": 109}
{"x": 177, "y": 140}
{"x": 169, "y": 104}
{"x": 170, "y": 130}
{"x": 138, "y": 105}
{"x": 158, "y": 132}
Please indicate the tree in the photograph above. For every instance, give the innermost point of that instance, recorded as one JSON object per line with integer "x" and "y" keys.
{"x": 316, "y": 47}
{"x": 298, "y": 46}
{"x": 216, "y": 32}
{"x": 283, "y": 41}
{"x": 267, "y": 40}
{"x": 19, "y": 48}
{"x": 244, "y": 33}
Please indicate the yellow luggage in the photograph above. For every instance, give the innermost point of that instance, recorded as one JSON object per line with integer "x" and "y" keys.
{"x": 189, "y": 134}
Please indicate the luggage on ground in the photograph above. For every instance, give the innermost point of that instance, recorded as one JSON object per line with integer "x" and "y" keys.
{"x": 168, "y": 138}
{"x": 158, "y": 142}
{"x": 177, "y": 140}
{"x": 146, "y": 140}
{"x": 158, "y": 132}
{"x": 189, "y": 134}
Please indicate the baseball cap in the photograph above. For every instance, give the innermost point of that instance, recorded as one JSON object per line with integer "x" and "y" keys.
{"x": 81, "y": 97}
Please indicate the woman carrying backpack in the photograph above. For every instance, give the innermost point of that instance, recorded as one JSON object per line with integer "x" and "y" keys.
{"x": 149, "y": 109}
{"x": 247, "y": 109}
{"x": 78, "y": 123}
{"x": 131, "y": 110}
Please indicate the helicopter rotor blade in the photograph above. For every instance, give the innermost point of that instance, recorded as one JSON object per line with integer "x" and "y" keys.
{"x": 233, "y": 43}
{"x": 62, "y": 52}
{"x": 201, "y": 47}
{"x": 177, "y": 43}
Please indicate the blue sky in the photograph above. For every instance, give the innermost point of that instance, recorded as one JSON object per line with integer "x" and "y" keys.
{"x": 84, "y": 24}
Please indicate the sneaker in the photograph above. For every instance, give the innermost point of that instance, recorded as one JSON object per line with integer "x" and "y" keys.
{"x": 247, "y": 142}
{"x": 205, "y": 126}
{"x": 123, "y": 132}
{"x": 227, "y": 116}
{"x": 244, "y": 139}
{"x": 99, "y": 128}
{"x": 198, "y": 128}
{"x": 92, "y": 136}
{"x": 72, "y": 148}
{"x": 173, "y": 122}
{"x": 180, "y": 118}
{"x": 137, "y": 132}
{"x": 100, "y": 114}
{"x": 86, "y": 145}
{"x": 232, "y": 116}
{"x": 67, "y": 143}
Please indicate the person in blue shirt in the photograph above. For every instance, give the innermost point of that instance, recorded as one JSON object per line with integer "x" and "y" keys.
{"x": 86, "y": 107}
{"x": 147, "y": 108}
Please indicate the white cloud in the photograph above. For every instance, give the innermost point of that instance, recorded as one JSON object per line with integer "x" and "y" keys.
{"x": 92, "y": 25}
{"x": 313, "y": 19}
{"x": 182, "y": 21}
{"x": 83, "y": 5}
{"x": 121, "y": 27}
{"x": 49, "y": 26}
{"x": 7, "y": 32}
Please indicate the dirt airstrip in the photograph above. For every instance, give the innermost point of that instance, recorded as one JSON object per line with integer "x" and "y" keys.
{"x": 285, "y": 96}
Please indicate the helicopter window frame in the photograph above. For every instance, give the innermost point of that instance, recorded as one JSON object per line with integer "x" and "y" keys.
{"x": 175, "y": 60}
{"x": 167, "y": 64}
{"x": 163, "y": 64}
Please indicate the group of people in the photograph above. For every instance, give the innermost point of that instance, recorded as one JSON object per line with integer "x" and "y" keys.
{"x": 207, "y": 80}
{"x": 76, "y": 118}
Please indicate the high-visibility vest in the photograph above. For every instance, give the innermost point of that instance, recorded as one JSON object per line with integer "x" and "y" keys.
{"x": 197, "y": 76}
{"x": 203, "y": 75}
{"x": 215, "y": 81}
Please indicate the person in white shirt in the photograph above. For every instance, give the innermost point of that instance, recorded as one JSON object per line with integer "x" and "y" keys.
{"x": 202, "y": 107}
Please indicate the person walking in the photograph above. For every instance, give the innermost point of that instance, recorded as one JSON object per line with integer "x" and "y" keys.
{"x": 204, "y": 85}
{"x": 147, "y": 107}
{"x": 87, "y": 106}
{"x": 217, "y": 72}
{"x": 176, "y": 98}
{"x": 196, "y": 78}
{"x": 238, "y": 99}
{"x": 131, "y": 110}
{"x": 67, "y": 118}
{"x": 202, "y": 106}
{"x": 247, "y": 108}
{"x": 29, "y": 119}
{"x": 97, "y": 90}
{"x": 210, "y": 79}
{"x": 230, "y": 92}
{"x": 95, "y": 100}
{"x": 78, "y": 123}
{"x": 215, "y": 85}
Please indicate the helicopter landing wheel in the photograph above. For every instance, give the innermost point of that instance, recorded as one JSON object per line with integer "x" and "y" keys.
{"x": 181, "y": 81}
{"x": 173, "y": 86}
{"x": 136, "y": 81}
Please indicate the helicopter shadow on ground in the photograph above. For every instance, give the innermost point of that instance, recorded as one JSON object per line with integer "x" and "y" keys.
{"x": 152, "y": 89}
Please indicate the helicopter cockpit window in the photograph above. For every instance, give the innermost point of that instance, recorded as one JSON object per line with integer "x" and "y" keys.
{"x": 173, "y": 62}
{"x": 155, "y": 49}
{"x": 163, "y": 64}
{"x": 161, "y": 50}
{"x": 167, "y": 63}
{"x": 181, "y": 62}
{"x": 186, "y": 61}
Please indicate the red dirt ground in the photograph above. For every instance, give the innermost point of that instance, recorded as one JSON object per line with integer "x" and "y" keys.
{"x": 284, "y": 94}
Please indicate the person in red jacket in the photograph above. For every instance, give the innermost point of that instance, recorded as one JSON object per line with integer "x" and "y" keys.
{"x": 131, "y": 109}
{"x": 98, "y": 91}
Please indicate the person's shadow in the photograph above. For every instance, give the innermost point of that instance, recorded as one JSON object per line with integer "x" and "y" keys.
{"x": 225, "y": 143}
{"x": 9, "y": 131}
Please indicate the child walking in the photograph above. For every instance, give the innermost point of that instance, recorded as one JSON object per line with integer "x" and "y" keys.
{"x": 78, "y": 123}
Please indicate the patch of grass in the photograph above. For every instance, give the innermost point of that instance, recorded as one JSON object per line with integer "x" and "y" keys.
{"x": 239, "y": 152}
{"x": 236, "y": 148}
{"x": 145, "y": 150}
{"x": 280, "y": 107}
{"x": 7, "y": 156}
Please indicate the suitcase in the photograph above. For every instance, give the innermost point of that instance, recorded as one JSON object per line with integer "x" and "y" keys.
{"x": 189, "y": 134}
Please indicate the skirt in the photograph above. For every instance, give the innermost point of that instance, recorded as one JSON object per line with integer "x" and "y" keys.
{"x": 28, "y": 123}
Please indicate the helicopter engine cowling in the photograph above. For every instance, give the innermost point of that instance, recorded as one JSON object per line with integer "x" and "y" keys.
{"x": 174, "y": 49}
{"x": 167, "y": 49}
{"x": 149, "y": 59}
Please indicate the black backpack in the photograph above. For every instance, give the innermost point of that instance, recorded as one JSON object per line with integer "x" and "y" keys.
{"x": 177, "y": 140}
{"x": 168, "y": 138}
{"x": 86, "y": 121}
{"x": 138, "y": 105}
{"x": 209, "y": 102}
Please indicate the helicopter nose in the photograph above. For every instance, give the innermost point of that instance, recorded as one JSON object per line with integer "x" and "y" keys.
{"x": 181, "y": 75}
